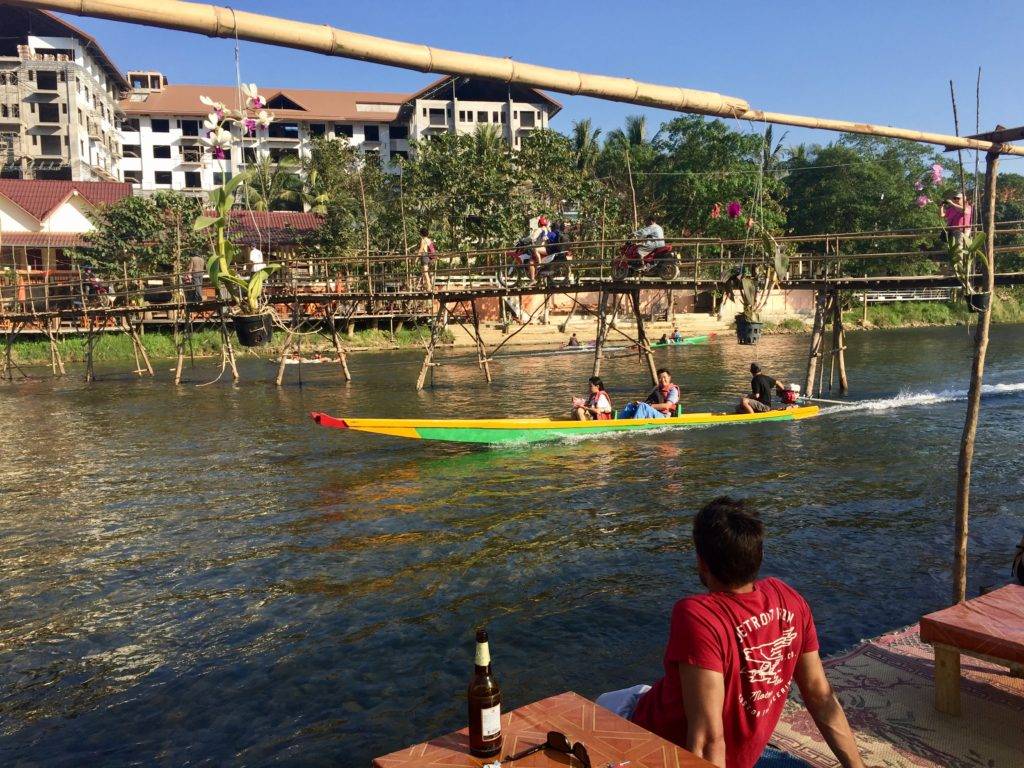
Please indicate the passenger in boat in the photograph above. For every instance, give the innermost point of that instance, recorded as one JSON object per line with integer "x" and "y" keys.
{"x": 761, "y": 387}
{"x": 596, "y": 406}
{"x": 661, "y": 403}
{"x": 733, "y": 652}
{"x": 573, "y": 342}
{"x": 663, "y": 339}
{"x": 677, "y": 337}
{"x": 427, "y": 252}
{"x": 650, "y": 237}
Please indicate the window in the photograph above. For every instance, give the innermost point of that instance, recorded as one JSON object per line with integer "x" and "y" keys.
{"x": 3, "y": 110}
{"x": 481, "y": 117}
{"x": 399, "y": 153}
{"x": 494, "y": 118}
{"x": 163, "y": 178}
{"x": 13, "y": 78}
{"x": 135, "y": 177}
{"x": 49, "y": 113}
{"x": 162, "y": 153}
{"x": 160, "y": 126}
{"x": 438, "y": 117}
{"x": 192, "y": 155}
{"x": 46, "y": 81}
{"x": 221, "y": 177}
{"x": 189, "y": 127}
{"x": 132, "y": 150}
{"x": 50, "y": 145}
{"x": 371, "y": 132}
{"x": 526, "y": 119}
{"x": 130, "y": 124}
{"x": 248, "y": 155}
{"x": 343, "y": 129}
{"x": 63, "y": 109}
{"x": 462, "y": 115}
{"x": 192, "y": 180}
{"x": 15, "y": 110}
{"x": 399, "y": 132}
{"x": 279, "y": 153}
{"x": 317, "y": 129}
{"x": 283, "y": 131}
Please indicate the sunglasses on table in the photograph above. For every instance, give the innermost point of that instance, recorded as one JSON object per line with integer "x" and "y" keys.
{"x": 557, "y": 742}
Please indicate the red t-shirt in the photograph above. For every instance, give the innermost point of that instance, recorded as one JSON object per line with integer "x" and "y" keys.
{"x": 754, "y": 640}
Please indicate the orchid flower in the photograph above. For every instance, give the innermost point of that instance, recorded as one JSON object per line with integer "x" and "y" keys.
{"x": 716, "y": 211}
{"x": 264, "y": 118}
{"x": 250, "y": 126}
{"x": 936, "y": 174}
{"x": 922, "y": 201}
{"x": 253, "y": 100}
{"x": 734, "y": 209}
{"x": 218, "y": 108}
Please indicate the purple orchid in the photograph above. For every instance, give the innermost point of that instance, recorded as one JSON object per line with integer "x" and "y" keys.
{"x": 922, "y": 201}
{"x": 936, "y": 174}
{"x": 734, "y": 209}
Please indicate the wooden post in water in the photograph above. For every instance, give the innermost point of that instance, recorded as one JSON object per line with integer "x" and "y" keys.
{"x": 435, "y": 332}
{"x": 817, "y": 336}
{"x": 641, "y": 335}
{"x": 963, "y": 480}
{"x": 90, "y": 343}
{"x": 336, "y": 341}
{"x": 481, "y": 350}
{"x": 228, "y": 352}
{"x": 839, "y": 341}
{"x": 602, "y": 331}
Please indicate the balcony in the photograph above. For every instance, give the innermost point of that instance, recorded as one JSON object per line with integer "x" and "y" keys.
{"x": 94, "y": 130}
{"x": 191, "y": 156}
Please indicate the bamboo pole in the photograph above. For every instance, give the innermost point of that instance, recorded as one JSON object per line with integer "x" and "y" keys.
{"x": 817, "y": 334}
{"x": 641, "y": 336}
{"x": 632, "y": 191}
{"x": 428, "y": 357}
{"x": 215, "y": 21}
{"x": 602, "y": 331}
{"x": 839, "y": 343}
{"x": 481, "y": 349}
{"x": 963, "y": 481}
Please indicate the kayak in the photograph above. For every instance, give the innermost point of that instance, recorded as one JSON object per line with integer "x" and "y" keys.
{"x": 532, "y": 430}
{"x": 683, "y": 343}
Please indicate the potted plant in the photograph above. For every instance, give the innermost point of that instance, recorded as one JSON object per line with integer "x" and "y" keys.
{"x": 964, "y": 256}
{"x": 252, "y": 319}
{"x": 755, "y": 285}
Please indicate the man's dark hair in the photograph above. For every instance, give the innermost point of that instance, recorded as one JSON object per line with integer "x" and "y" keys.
{"x": 729, "y": 538}
{"x": 650, "y": 220}
{"x": 664, "y": 370}
{"x": 755, "y": 368}
{"x": 423, "y": 231}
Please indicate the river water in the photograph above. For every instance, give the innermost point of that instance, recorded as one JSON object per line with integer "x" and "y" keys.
{"x": 201, "y": 576}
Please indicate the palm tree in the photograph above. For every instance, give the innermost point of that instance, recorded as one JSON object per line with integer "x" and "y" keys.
{"x": 488, "y": 139}
{"x": 584, "y": 143}
{"x": 311, "y": 194}
{"x": 274, "y": 185}
{"x": 633, "y": 134}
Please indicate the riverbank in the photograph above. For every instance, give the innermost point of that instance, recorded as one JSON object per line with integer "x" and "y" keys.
{"x": 1008, "y": 307}
{"x": 116, "y": 347}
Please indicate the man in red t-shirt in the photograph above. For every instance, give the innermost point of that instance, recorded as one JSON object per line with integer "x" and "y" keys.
{"x": 734, "y": 651}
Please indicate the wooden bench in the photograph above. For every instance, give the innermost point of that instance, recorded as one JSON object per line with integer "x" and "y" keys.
{"x": 990, "y": 627}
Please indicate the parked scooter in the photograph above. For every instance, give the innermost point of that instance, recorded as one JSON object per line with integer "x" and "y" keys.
{"x": 661, "y": 262}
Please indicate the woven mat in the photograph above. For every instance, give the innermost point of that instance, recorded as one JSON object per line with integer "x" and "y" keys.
{"x": 886, "y": 687}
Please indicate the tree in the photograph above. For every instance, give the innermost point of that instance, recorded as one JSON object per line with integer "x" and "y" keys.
{"x": 585, "y": 144}
{"x": 273, "y": 185}
{"x": 127, "y": 237}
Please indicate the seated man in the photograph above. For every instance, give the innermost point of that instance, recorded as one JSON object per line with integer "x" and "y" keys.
{"x": 661, "y": 403}
{"x": 761, "y": 386}
{"x": 733, "y": 652}
{"x": 596, "y": 405}
{"x": 676, "y": 335}
{"x": 573, "y": 342}
{"x": 650, "y": 237}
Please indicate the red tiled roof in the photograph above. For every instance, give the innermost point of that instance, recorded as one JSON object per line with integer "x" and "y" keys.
{"x": 269, "y": 228}
{"x": 40, "y": 198}
{"x": 315, "y": 105}
{"x": 44, "y": 239}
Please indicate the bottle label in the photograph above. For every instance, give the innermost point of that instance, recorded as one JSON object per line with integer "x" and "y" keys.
{"x": 491, "y": 722}
{"x": 483, "y": 654}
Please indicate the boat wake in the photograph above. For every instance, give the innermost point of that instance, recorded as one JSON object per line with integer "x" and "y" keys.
{"x": 906, "y": 399}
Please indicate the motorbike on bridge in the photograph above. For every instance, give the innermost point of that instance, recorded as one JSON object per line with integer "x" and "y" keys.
{"x": 661, "y": 262}
{"x": 555, "y": 266}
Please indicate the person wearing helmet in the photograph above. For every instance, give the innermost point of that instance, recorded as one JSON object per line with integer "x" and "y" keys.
{"x": 539, "y": 238}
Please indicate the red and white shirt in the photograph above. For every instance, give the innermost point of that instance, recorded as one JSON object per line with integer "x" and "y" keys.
{"x": 754, "y": 640}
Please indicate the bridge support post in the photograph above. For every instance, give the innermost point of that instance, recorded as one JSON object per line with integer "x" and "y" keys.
{"x": 336, "y": 341}
{"x": 602, "y": 331}
{"x": 839, "y": 341}
{"x": 227, "y": 352}
{"x": 817, "y": 337}
{"x": 481, "y": 350}
{"x": 90, "y": 345}
{"x": 641, "y": 335}
{"x": 435, "y": 333}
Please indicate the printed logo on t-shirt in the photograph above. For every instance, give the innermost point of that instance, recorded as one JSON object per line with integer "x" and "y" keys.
{"x": 763, "y": 662}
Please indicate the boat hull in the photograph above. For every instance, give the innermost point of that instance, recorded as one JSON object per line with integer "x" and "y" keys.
{"x": 505, "y": 431}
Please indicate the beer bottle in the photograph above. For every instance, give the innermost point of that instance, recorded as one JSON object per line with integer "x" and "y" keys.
{"x": 484, "y": 697}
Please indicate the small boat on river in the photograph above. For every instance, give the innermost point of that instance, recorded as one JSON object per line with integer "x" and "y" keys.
{"x": 533, "y": 430}
{"x": 688, "y": 341}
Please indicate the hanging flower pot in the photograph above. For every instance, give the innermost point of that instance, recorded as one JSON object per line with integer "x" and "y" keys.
{"x": 254, "y": 330}
{"x": 747, "y": 331}
{"x": 979, "y": 302}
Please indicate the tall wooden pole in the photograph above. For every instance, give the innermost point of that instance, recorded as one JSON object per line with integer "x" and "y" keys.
{"x": 641, "y": 336}
{"x": 817, "y": 334}
{"x": 632, "y": 191}
{"x": 839, "y": 343}
{"x": 602, "y": 331}
{"x": 963, "y": 480}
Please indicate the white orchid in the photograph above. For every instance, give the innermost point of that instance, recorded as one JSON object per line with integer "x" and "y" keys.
{"x": 264, "y": 118}
{"x": 219, "y": 140}
{"x": 253, "y": 100}
{"x": 218, "y": 107}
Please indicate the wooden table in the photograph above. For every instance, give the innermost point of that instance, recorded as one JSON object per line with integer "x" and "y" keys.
{"x": 607, "y": 737}
{"x": 990, "y": 627}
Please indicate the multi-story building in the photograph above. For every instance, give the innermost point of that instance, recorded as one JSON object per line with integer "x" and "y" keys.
{"x": 59, "y": 101}
{"x": 162, "y": 129}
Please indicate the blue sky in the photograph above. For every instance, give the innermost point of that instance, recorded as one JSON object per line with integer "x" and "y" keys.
{"x": 874, "y": 61}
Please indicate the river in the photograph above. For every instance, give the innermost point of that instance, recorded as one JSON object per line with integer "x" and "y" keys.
{"x": 201, "y": 576}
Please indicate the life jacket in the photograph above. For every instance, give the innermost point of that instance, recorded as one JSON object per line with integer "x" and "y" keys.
{"x": 789, "y": 397}
{"x": 592, "y": 403}
{"x": 659, "y": 396}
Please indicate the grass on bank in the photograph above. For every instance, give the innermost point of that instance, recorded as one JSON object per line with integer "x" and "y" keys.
{"x": 117, "y": 347}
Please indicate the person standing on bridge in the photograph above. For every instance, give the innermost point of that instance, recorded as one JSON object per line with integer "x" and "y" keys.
{"x": 196, "y": 269}
{"x": 427, "y": 252}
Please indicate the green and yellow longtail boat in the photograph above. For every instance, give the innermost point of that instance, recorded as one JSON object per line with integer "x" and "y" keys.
{"x": 496, "y": 431}
{"x": 688, "y": 341}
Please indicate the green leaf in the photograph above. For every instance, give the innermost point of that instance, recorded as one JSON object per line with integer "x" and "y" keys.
{"x": 202, "y": 222}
